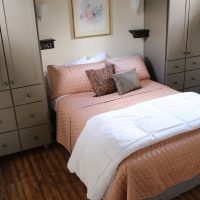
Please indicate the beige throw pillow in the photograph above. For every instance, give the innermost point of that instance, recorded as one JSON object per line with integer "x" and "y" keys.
{"x": 126, "y": 82}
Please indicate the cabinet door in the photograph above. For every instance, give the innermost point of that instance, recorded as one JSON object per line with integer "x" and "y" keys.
{"x": 25, "y": 68}
{"x": 194, "y": 29}
{"x": 177, "y": 29}
{"x": 3, "y": 72}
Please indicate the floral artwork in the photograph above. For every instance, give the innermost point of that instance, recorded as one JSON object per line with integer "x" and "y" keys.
{"x": 91, "y": 17}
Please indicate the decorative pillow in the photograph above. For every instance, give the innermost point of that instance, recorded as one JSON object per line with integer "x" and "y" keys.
{"x": 102, "y": 80}
{"x": 71, "y": 79}
{"x": 129, "y": 63}
{"x": 126, "y": 81}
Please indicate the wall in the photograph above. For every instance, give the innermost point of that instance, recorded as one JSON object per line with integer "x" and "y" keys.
{"x": 57, "y": 24}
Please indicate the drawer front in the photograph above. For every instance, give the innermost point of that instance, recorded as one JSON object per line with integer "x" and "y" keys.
{"x": 175, "y": 66}
{"x": 175, "y": 81}
{"x": 5, "y": 99}
{"x": 9, "y": 143}
{"x": 28, "y": 94}
{"x": 7, "y": 120}
{"x": 192, "y": 63}
{"x": 31, "y": 114}
{"x": 35, "y": 136}
{"x": 193, "y": 89}
{"x": 192, "y": 78}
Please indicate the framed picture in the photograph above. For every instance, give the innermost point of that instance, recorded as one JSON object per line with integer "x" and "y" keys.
{"x": 91, "y": 18}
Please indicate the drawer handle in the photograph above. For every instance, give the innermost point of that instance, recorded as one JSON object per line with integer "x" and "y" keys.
{"x": 187, "y": 52}
{"x": 32, "y": 115}
{"x": 175, "y": 83}
{"x": 5, "y": 83}
{"x": 194, "y": 63}
{"x": 193, "y": 79}
{"x": 28, "y": 95}
{"x": 4, "y": 145}
{"x": 12, "y": 82}
{"x": 176, "y": 66}
{"x": 36, "y": 137}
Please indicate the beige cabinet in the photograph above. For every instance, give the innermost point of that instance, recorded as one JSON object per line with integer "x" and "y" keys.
{"x": 33, "y": 137}
{"x": 24, "y": 121}
{"x": 28, "y": 94}
{"x": 9, "y": 143}
{"x": 25, "y": 68}
{"x": 193, "y": 42}
{"x": 3, "y": 73}
{"x": 176, "y": 61}
{"x": 7, "y": 120}
{"x": 5, "y": 99}
{"x": 177, "y": 31}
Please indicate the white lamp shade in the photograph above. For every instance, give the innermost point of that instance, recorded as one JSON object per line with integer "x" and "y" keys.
{"x": 136, "y": 4}
{"x": 40, "y": 10}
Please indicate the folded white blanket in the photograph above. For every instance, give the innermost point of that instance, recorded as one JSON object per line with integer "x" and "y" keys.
{"x": 110, "y": 137}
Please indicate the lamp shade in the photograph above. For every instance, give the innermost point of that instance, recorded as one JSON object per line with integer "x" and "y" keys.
{"x": 40, "y": 10}
{"x": 136, "y": 4}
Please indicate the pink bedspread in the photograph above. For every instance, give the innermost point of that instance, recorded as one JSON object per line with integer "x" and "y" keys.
{"x": 147, "y": 172}
{"x": 74, "y": 110}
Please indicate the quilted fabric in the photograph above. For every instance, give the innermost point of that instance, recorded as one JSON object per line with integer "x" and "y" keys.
{"x": 129, "y": 63}
{"x": 145, "y": 173}
{"x": 71, "y": 79}
{"x": 74, "y": 110}
{"x": 102, "y": 80}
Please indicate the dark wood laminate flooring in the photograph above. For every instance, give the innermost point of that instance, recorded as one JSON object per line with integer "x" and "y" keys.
{"x": 41, "y": 174}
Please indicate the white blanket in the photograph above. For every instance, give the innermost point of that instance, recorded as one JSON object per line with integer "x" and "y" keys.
{"x": 110, "y": 137}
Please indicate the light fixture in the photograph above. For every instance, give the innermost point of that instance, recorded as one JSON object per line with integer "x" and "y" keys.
{"x": 136, "y": 4}
{"x": 40, "y": 10}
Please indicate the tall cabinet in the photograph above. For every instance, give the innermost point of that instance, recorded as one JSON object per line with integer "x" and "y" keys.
{"x": 173, "y": 48}
{"x": 24, "y": 120}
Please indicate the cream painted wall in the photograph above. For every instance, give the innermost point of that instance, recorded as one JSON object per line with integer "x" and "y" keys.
{"x": 57, "y": 24}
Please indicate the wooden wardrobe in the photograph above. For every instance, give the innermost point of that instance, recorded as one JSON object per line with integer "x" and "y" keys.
{"x": 173, "y": 47}
{"x": 24, "y": 120}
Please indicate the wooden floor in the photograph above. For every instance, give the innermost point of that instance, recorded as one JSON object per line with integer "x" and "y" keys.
{"x": 42, "y": 174}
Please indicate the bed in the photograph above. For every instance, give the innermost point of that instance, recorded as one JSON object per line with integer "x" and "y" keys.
{"x": 160, "y": 171}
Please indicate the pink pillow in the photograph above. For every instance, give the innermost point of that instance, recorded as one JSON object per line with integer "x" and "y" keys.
{"x": 71, "y": 79}
{"x": 128, "y": 63}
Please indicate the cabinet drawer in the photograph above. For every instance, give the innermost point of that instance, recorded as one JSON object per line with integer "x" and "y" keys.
{"x": 193, "y": 89}
{"x": 28, "y": 94}
{"x": 9, "y": 143}
{"x": 175, "y": 81}
{"x": 7, "y": 120}
{"x": 192, "y": 63}
{"x": 31, "y": 114}
{"x": 5, "y": 99}
{"x": 36, "y": 136}
{"x": 192, "y": 78}
{"x": 175, "y": 66}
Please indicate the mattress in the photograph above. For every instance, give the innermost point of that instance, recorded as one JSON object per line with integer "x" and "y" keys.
{"x": 148, "y": 172}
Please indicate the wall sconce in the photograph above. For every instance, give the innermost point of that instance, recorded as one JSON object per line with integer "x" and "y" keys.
{"x": 136, "y": 4}
{"x": 40, "y": 10}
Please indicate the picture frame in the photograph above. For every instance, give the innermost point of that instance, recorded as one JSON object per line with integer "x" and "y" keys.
{"x": 91, "y": 18}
